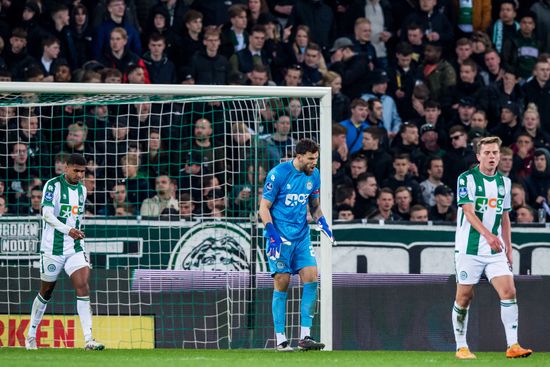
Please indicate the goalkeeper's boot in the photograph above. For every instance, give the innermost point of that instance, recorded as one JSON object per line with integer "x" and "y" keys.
{"x": 464, "y": 353}
{"x": 92, "y": 344}
{"x": 308, "y": 343}
{"x": 516, "y": 351}
{"x": 30, "y": 343}
{"x": 284, "y": 347}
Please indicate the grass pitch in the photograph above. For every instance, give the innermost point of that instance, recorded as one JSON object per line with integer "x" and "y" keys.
{"x": 19, "y": 357}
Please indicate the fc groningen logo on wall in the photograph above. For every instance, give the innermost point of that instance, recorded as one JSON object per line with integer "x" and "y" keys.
{"x": 214, "y": 246}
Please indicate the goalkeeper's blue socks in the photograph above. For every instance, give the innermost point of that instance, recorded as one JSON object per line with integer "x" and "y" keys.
{"x": 309, "y": 299}
{"x": 278, "y": 308}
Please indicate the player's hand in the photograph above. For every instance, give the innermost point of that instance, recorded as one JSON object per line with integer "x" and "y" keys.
{"x": 76, "y": 234}
{"x": 510, "y": 258}
{"x": 323, "y": 226}
{"x": 494, "y": 242}
{"x": 275, "y": 242}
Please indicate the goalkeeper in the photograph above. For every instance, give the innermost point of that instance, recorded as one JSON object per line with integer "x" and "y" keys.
{"x": 289, "y": 187}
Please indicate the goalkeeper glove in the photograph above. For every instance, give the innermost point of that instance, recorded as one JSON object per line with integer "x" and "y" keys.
{"x": 322, "y": 226}
{"x": 275, "y": 242}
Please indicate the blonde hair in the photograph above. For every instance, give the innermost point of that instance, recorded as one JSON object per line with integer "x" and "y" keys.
{"x": 130, "y": 160}
{"x": 329, "y": 77}
{"x": 532, "y": 108}
{"x": 488, "y": 140}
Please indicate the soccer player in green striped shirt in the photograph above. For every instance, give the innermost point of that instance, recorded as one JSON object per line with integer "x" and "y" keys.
{"x": 62, "y": 248}
{"x": 483, "y": 243}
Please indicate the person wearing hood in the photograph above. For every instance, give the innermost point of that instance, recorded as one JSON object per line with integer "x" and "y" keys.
{"x": 159, "y": 22}
{"x": 538, "y": 182}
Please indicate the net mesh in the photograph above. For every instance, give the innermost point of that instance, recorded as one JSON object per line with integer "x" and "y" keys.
{"x": 170, "y": 218}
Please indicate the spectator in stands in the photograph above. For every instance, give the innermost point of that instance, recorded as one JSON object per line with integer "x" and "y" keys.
{"x": 379, "y": 13}
{"x": 443, "y": 209}
{"x": 379, "y": 159}
{"x": 186, "y": 205}
{"x": 164, "y": 199}
{"x": 62, "y": 31}
{"x": 352, "y": 67}
{"x": 362, "y": 43}
{"x": 403, "y": 200}
{"x": 280, "y": 143}
{"x": 192, "y": 40}
{"x": 506, "y": 163}
{"x": 291, "y": 53}
{"x": 293, "y": 76}
{"x": 494, "y": 68}
{"x": 92, "y": 203}
{"x": 522, "y": 51}
{"x": 210, "y": 152}
{"x": 438, "y": 74}
{"x": 3, "y": 206}
{"x": 415, "y": 38}
{"x": 120, "y": 57}
{"x": 344, "y": 213}
{"x": 137, "y": 186}
{"x": 82, "y": 34}
{"x": 111, "y": 75}
{"x": 519, "y": 196}
{"x": 161, "y": 69}
{"x": 537, "y": 91}
{"x": 366, "y": 192}
{"x": 243, "y": 196}
{"x": 375, "y": 116}
{"x": 419, "y": 213}
{"x": 208, "y": 66}
{"x": 345, "y": 195}
{"x": 402, "y": 177}
{"x": 159, "y": 22}
{"x": 60, "y": 163}
{"x": 155, "y": 160}
{"x": 538, "y": 182}
{"x": 406, "y": 142}
{"x": 77, "y": 142}
{"x": 254, "y": 54}
{"x": 429, "y": 146}
{"x": 313, "y": 65}
{"x": 541, "y": 9}
{"x": 478, "y": 126}
{"x": 523, "y": 155}
{"x": 464, "y": 113}
{"x": 340, "y": 102}
{"x": 531, "y": 125}
{"x": 103, "y": 37}
{"x": 19, "y": 175}
{"x": 390, "y": 116}
{"x": 506, "y": 26}
{"x": 61, "y": 72}
{"x": 402, "y": 80}
{"x": 469, "y": 85}
{"x": 115, "y": 144}
{"x": 50, "y": 53}
{"x": 358, "y": 165}
{"x": 459, "y": 157}
{"x": 317, "y": 16}
{"x": 136, "y": 74}
{"x": 356, "y": 125}
{"x": 434, "y": 167}
{"x": 435, "y": 25}
{"x": 235, "y": 38}
{"x": 463, "y": 51}
{"x": 32, "y": 204}
{"x": 384, "y": 203}
{"x": 16, "y": 55}
{"x": 190, "y": 176}
{"x": 500, "y": 92}
{"x": 525, "y": 214}
{"x": 509, "y": 125}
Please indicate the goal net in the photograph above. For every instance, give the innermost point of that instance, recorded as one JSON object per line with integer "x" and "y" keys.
{"x": 174, "y": 178}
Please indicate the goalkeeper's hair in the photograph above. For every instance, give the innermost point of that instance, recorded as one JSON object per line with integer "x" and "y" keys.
{"x": 306, "y": 145}
{"x": 76, "y": 159}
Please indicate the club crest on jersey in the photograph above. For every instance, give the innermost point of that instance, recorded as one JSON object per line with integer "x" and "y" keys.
{"x": 463, "y": 275}
{"x": 501, "y": 190}
{"x": 269, "y": 186}
{"x": 272, "y": 177}
{"x": 51, "y": 268}
{"x": 309, "y": 185}
{"x": 51, "y": 188}
{"x": 462, "y": 192}
{"x": 48, "y": 196}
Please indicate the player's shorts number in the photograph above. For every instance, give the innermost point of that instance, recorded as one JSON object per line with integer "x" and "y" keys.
{"x": 311, "y": 251}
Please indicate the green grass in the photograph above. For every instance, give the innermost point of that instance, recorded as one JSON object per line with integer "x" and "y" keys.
{"x": 19, "y": 357}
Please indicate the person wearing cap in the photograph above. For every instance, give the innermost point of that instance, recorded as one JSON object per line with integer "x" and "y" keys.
{"x": 537, "y": 91}
{"x": 522, "y": 51}
{"x": 443, "y": 209}
{"x": 463, "y": 116}
{"x": 352, "y": 67}
{"x": 390, "y": 116}
{"x": 505, "y": 27}
{"x": 509, "y": 125}
{"x": 438, "y": 74}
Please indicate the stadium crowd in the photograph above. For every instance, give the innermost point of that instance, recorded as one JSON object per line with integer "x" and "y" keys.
{"x": 415, "y": 84}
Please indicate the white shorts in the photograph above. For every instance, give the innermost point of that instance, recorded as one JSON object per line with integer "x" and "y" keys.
{"x": 469, "y": 268}
{"x": 51, "y": 265}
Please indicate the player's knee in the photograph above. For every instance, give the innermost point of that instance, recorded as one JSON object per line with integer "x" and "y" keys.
{"x": 508, "y": 293}
{"x": 82, "y": 290}
{"x": 46, "y": 290}
{"x": 281, "y": 282}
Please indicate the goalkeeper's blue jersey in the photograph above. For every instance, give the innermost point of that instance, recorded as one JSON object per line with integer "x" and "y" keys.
{"x": 289, "y": 190}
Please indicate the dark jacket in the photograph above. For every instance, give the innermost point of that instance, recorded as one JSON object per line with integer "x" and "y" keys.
{"x": 210, "y": 70}
{"x": 498, "y": 98}
{"x": 103, "y": 35}
{"x": 243, "y": 61}
{"x": 123, "y": 64}
{"x": 540, "y": 96}
{"x": 538, "y": 182}
{"x": 379, "y": 163}
{"x": 317, "y": 16}
{"x": 461, "y": 89}
{"x": 436, "y": 22}
{"x": 408, "y": 182}
{"x": 160, "y": 72}
{"x": 355, "y": 75}
{"x": 457, "y": 161}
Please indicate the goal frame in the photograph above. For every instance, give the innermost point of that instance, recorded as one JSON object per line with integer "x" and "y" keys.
{"x": 325, "y": 142}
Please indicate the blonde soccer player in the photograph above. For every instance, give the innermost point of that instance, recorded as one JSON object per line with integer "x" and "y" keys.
{"x": 483, "y": 244}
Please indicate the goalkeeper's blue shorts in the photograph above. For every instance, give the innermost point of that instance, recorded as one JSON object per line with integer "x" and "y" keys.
{"x": 294, "y": 257}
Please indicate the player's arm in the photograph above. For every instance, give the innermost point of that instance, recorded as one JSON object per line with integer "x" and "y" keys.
{"x": 319, "y": 218}
{"x": 471, "y": 217}
{"x": 507, "y": 235}
{"x": 275, "y": 240}
{"x": 50, "y": 218}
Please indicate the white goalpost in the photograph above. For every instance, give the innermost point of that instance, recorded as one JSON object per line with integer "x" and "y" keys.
{"x": 150, "y": 276}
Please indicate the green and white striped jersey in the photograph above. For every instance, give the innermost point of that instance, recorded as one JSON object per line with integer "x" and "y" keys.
{"x": 490, "y": 196}
{"x": 68, "y": 206}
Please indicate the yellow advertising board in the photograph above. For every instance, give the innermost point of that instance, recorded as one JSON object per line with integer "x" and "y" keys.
{"x": 116, "y": 332}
